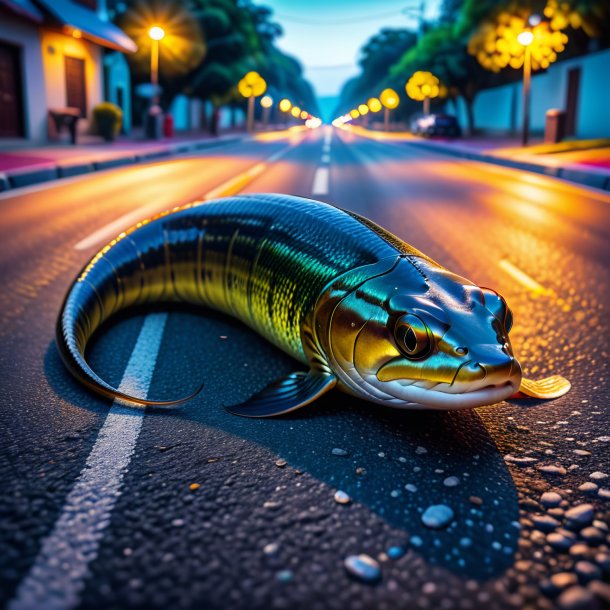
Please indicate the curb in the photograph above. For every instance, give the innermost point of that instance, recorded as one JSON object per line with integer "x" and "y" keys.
{"x": 599, "y": 180}
{"x": 27, "y": 176}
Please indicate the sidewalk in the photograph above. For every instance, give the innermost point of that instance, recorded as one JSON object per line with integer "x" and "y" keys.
{"x": 585, "y": 162}
{"x": 23, "y": 165}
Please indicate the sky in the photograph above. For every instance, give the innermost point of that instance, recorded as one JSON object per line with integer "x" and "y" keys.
{"x": 326, "y": 35}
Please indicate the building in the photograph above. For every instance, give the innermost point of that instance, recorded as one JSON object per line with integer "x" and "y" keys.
{"x": 51, "y": 58}
{"x": 578, "y": 86}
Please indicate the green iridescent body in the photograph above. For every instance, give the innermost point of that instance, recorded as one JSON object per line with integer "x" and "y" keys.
{"x": 286, "y": 266}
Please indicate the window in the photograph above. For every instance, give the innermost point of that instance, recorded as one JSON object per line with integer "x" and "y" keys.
{"x": 11, "y": 118}
{"x": 76, "y": 95}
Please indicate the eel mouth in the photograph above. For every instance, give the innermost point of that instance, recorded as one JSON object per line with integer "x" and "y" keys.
{"x": 412, "y": 396}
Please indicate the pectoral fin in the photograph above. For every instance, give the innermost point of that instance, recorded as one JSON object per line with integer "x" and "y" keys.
{"x": 286, "y": 394}
{"x": 549, "y": 387}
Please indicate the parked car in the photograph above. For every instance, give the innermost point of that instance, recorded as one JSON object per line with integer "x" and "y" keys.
{"x": 436, "y": 125}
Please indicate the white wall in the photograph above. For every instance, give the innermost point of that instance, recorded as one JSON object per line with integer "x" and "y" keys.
{"x": 25, "y": 35}
{"x": 55, "y": 47}
{"x": 500, "y": 108}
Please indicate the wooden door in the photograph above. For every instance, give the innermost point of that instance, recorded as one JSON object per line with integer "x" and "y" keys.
{"x": 76, "y": 93}
{"x": 11, "y": 108}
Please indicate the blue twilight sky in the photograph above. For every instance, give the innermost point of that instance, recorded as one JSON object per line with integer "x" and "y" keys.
{"x": 325, "y": 35}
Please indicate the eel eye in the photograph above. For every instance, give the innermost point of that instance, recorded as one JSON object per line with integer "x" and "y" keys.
{"x": 412, "y": 337}
{"x": 498, "y": 307}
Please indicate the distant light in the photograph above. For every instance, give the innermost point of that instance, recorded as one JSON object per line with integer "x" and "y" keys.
{"x": 77, "y": 33}
{"x": 304, "y": 114}
{"x": 354, "y": 114}
{"x": 266, "y": 101}
{"x": 534, "y": 19}
{"x": 525, "y": 38}
{"x": 156, "y": 33}
{"x": 374, "y": 104}
{"x": 296, "y": 112}
{"x": 285, "y": 105}
{"x": 363, "y": 109}
{"x": 389, "y": 98}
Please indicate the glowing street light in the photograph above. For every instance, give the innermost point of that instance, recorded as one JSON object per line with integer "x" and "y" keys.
{"x": 374, "y": 105}
{"x": 266, "y": 103}
{"x": 296, "y": 112}
{"x": 251, "y": 86}
{"x": 389, "y": 98}
{"x": 156, "y": 33}
{"x": 422, "y": 87}
{"x": 363, "y": 109}
{"x": 285, "y": 105}
{"x": 525, "y": 39}
{"x": 304, "y": 114}
{"x": 354, "y": 114}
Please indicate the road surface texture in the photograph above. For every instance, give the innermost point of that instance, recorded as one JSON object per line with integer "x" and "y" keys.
{"x": 108, "y": 508}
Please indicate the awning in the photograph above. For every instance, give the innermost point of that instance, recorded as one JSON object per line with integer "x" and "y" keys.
{"x": 24, "y": 8}
{"x": 89, "y": 24}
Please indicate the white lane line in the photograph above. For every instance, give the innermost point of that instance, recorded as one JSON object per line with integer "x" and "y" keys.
{"x": 325, "y": 158}
{"x": 320, "y": 182}
{"x": 328, "y": 137}
{"x": 523, "y": 278}
{"x": 56, "y": 580}
{"x": 112, "y": 229}
{"x": 326, "y": 149}
{"x": 235, "y": 184}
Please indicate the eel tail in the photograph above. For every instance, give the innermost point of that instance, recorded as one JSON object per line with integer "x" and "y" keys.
{"x": 116, "y": 278}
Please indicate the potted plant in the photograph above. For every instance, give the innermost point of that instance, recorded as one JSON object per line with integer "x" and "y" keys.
{"x": 108, "y": 118}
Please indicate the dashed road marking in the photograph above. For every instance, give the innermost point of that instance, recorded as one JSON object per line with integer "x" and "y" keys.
{"x": 226, "y": 189}
{"x": 320, "y": 182}
{"x": 56, "y": 580}
{"x": 523, "y": 278}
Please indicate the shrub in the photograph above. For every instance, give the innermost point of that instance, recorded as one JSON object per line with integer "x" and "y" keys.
{"x": 108, "y": 118}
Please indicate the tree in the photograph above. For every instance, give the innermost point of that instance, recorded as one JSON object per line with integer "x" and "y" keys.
{"x": 376, "y": 55}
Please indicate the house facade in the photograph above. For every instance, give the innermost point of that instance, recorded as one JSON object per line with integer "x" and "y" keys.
{"x": 51, "y": 58}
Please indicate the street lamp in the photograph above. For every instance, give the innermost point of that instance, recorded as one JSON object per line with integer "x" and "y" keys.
{"x": 251, "y": 86}
{"x": 296, "y": 112}
{"x": 389, "y": 98}
{"x": 525, "y": 39}
{"x": 156, "y": 34}
{"x": 374, "y": 104}
{"x": 266, "y": 103}
{"x": 422, "y": 87}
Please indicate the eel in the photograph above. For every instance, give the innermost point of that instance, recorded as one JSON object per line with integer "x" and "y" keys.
{"x": 364, "y": 311}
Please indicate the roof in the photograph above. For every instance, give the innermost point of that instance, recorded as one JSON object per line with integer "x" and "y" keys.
{"x": 92, "y": 27}
{"x": 24, "y": 8}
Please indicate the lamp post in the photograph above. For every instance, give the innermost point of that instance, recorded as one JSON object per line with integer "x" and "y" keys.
{"x": 266, "y": 103}
{"x": 251, "y": 86}
{"x": 526, "y": 38}
{"x": 389, "y": 98}
{"x": 156, "y": 34}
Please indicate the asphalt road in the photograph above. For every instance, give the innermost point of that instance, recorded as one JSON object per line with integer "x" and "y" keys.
{"x": 212, "y": 511}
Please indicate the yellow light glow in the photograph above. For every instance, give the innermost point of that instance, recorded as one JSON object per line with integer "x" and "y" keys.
{"x": 285, "y": 105}
{"x": 389, "y": 98}
{"x": 374, "y": 104}
{"x": 363, "y": 109}
{"x": 354, "y": 114}
{"x": 156, "y": 33}
{"x": 296, "y": 112}
{"x": 252, "y": 85}
{"x": 266, "y": 101}
{"x": 525, "y": 38}
{"x": 77, "y": 34}
{"x": 423, "y": 85}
